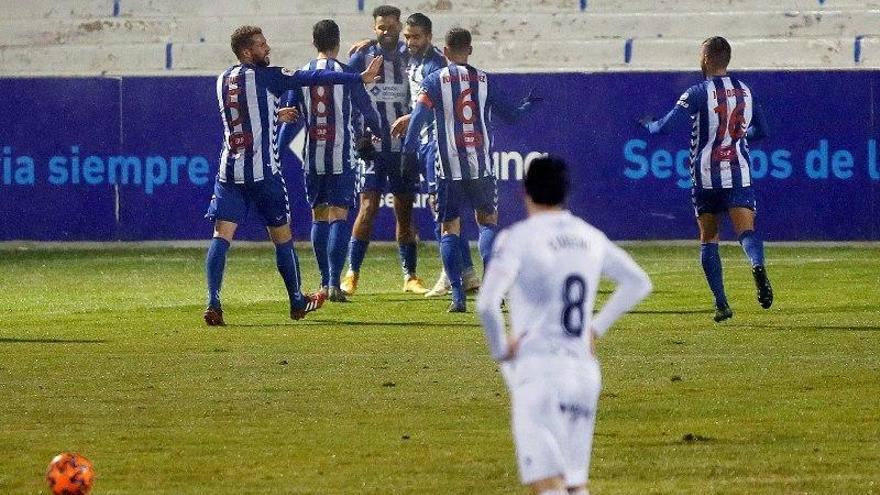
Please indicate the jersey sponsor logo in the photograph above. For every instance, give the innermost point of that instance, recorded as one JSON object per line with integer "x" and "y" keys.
{"x": 240, "y": 141}
{"x": 469, "y": 140}
{"x": 390, "y": 93}
{"x": 322, "y": 132}
{"x": 724, "y": 154}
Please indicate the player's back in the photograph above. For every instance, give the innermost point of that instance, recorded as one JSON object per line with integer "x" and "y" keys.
{"x": 560, "y": 260}
{"x": 248, "y": 103}
{"x": 327, "y": 114}
{"x": 459, "y": 95}
{"x": 722, "y": 111}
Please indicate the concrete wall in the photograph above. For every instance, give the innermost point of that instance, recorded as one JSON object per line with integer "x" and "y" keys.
{"x": 178, "y": 37}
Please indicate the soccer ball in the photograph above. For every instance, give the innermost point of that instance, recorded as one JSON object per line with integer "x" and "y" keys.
{"x": 70, "y": 473}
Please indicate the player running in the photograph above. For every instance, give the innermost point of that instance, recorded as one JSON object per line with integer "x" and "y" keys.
{"x": 724, "y": 119}
{"x": 249, "y": 175}
{"x": 328, "y": 155}
{"x": 460, "y": 97}
{"x": 424, "y": 59}
{"x": 548, "y": 267}
{"x": 391, "y": 99}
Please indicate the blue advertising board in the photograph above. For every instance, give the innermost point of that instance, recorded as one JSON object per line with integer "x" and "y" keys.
{"x": 134, "y": 158}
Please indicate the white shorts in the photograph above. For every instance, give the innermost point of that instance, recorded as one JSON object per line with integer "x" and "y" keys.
{"x": 554, "y": 415}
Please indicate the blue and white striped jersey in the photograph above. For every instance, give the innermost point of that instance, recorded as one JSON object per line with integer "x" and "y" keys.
{"x": 390, "y": 95}
{"x": 419, "y": 68}
{"x": 248, "y": 97}
{"x": 327, "y": 113}
{"x": 724, "y": 118}
{"x": 461, "y": 97}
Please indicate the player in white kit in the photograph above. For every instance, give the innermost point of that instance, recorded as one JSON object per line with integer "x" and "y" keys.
{"x": 548, "y": 267}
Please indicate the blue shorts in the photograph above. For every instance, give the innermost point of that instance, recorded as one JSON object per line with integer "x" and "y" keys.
{"x": 386, "y": 169}
{"x": 330, "y": 189}
{"x": 721, "y": 200}
{"x": 231, "y": 202}
{"x": 481, "y": 194}
{"x": 428, "y": 162}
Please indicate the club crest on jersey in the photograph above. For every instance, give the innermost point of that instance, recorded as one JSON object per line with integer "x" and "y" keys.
{"x": 287, "y": 71}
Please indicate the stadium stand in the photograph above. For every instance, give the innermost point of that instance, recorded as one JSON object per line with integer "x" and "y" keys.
{"x": 173, "y": 37}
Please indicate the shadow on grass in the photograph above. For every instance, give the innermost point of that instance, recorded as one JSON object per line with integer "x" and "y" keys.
{"x": 820, "y": 328}
{"x": 12, "y": 340}
{"x": 672, "y": 312}
{"x": 311, "y": 322}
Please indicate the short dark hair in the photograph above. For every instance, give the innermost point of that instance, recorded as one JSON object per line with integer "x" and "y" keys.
{"x": 717, "y": 51}
{"x": 458, "y": 39}
{"x": 386, "y": 11}
{"x": 325, "y": 35}
{"x": 243, "y": 37}
{"x": 419, "y": 20}
{"x": 546, "y": 180}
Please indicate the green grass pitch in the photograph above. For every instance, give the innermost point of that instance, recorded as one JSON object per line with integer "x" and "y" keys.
{"x": 105, "y": 352}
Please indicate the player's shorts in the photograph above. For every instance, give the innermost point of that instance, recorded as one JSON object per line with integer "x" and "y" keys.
{"x": 428, "y": 161}
{"x": 386, "y": 171}
{"x": 268, "y": 197}
{"x": 721, "y": 200}
{"x": 554, "y": 416}
{"x": 481, "y": 194}
{"x": 330, "y": 189}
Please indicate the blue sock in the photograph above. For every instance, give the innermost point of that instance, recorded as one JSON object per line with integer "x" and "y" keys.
{"x": 467, "y": 262}
{"x": 753, "y": 246}
{"x": 336, "y": 245}
{"x": 215, "y": 263}
{"x": 320, "y": 234}
{"x": 408, "y": 257}
{"x": 288, "y": 267}
{"x": 357, "y": 250}
{"x": 487, "y": 238}
{"x": 450, "y": 253}
{"x": 711, "y": 260}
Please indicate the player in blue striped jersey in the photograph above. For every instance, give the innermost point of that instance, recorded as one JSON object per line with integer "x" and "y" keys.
{"x": 724, "y": 119}
{"x": 249, "y": 175}
{"x": 460, "y": 98}
{"x": 425, "y": 58}
{"x": 328, "y": 155}
{"x": 391, "y": 99}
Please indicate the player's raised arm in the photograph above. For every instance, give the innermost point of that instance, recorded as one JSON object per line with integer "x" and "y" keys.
{"x": 633, "y": 285}
{"x": 500, "y": 276}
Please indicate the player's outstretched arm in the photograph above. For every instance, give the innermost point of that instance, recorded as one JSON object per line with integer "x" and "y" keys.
{"x": 633, "y": 285}
{"x": 509, "y": 110}
{"x": 758, "y": 128}
{"x": 674, "y": 116}
{"x": 364, "y": 109}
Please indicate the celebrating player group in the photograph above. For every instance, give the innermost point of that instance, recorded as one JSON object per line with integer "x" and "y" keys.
{"x": 404, "y": 116}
